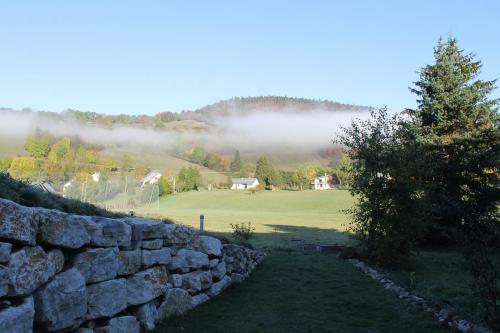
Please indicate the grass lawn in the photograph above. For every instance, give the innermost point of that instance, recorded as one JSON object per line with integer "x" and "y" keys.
{"x": 441, "y": 276}
{"x": 277, "y": 216}
{"x": 294, "y": 291}
{"x": 299, "y": 292}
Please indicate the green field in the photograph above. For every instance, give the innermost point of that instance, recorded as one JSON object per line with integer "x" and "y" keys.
{"x": 277, "y": 216}
{"x": 333, "y": 296}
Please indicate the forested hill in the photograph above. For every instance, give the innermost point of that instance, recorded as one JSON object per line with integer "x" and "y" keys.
{"x": 239, "y": 105}
{"x": 270, "y": 103}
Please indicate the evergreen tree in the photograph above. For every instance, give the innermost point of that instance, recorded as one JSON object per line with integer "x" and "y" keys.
{"x": 457, "y": 126}
{"x": 236, "y": 164}
{"x": 264, "y": 171}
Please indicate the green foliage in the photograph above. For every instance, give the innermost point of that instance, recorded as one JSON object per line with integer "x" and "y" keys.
{"x": 457, "y": 124}
{"x": 197, "y": 155}
{"x": 188, "y": 179}
{"x": 265, "y": 172}
{"x": 236, "y": 164}
{"x": 25, "y": 168}
{"x": 5, "y": 164}
{"x": 435, "y": 173}
{"x": 344, "y": 170}
{"x": 215, "y": 162}
{"x": 37, "y": 146}
{"x": 387, "y": 217}
{"x": 59, "y": 150}
{"x": 242, "y": 232}
{"x": 305, "y": 175}
{"x": 165, "y": 186}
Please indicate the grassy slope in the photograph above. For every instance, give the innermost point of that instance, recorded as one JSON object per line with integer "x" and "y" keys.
{"x": 10, "y": 147}
{"x": 289, "y": 161}
{"x": 277, "y": 216}
{"x": 166, "y": 164}
{"x": 294, "y": 291}
{"x": 29, "y": 196}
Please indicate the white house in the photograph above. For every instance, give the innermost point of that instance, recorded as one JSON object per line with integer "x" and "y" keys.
{"x": 96, "y": 176}
{"x": 322, "y": 182}
{"x": 151, "y": 178}
{"x": 244, "y": 183}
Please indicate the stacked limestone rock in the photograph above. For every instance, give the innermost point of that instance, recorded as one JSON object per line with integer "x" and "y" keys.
{"x": 69, "y": 273}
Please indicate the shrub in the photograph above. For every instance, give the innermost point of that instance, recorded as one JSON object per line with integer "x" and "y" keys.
{"x": 242, "y": 232}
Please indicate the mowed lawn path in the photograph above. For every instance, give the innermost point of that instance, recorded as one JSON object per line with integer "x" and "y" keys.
{"x": 295, "y": 291}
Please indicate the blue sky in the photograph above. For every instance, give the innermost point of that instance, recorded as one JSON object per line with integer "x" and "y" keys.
{"x": 152, "y": 56}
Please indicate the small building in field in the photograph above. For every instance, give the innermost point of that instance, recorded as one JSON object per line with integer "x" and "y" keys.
{"x": 244, "y": 183}
{"x": 325, "y": 182}
{"x": 151, "y": 178}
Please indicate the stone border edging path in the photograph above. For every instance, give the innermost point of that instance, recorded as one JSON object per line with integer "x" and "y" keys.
{"x": 444, "y": 316}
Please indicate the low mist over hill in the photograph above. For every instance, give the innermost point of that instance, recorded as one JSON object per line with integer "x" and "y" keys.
{"x": 255, "y": 125}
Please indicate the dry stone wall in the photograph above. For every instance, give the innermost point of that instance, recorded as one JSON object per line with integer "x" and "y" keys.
{"x": 69, "y": 273}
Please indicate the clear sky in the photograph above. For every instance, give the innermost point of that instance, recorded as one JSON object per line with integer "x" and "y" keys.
{"x": 152, "y": 56}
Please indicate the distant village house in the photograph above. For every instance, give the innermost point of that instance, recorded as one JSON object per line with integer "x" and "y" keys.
{"x": 244, "y": 183}
{"x": 325, "y": 182}
{"x": 151, "y": 178}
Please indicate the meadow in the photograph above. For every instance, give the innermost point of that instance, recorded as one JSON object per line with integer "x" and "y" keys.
{"x": 297, "y": 291}
{"x": 278, "y": 217}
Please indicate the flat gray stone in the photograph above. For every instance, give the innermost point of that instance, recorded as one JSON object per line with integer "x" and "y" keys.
{"x": 199, "y": 299}
{"x": 146, "y": 285}
{"x": 17, "y": 223}
{"x": 196, "y": 281}
{"x": 211, "y": 246}
{"x": 219, "y": 287}
{"x": 176, "y": 280}
{"x": 126, "y": 324}
{"x": 98, "y": 265}
{"x": 154, "y": 257}
{"x": 147, "y": 315}
{"x": 213, "y": 263}
{"x": 61, "y": 303}
{"x": 105, "y": 299}
{"x": 31, "y": 267}
{"x": 129, "y": 261}
{"x": 180, "y": 236}
{"x": 152, "y": 244}
{"x": 149, "y": 229}
{"x": 219, "y": 271}
{"x": 111, "y": 232}
{"x": 177, "y": 301}
{"x": 61, "y": 229}
{"x": 18, "y": 319}
{"x": 186, "y": 260}
{"x": 5, "y": 249}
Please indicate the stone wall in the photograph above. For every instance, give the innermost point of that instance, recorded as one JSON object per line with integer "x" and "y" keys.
{"x": 69, "y": 273}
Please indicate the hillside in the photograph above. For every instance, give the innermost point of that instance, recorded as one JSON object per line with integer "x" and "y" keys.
{"x": 291, "y": 132}
{"x": 237, "y": 105}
